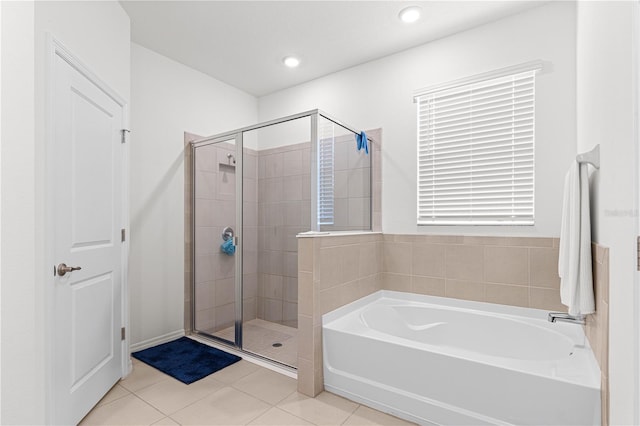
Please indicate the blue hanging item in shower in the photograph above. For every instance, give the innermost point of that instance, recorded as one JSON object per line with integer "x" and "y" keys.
{"x": 228, "y": 247}
{"x": 361, "y": 141}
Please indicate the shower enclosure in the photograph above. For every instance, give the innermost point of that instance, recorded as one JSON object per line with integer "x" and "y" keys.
{"x": 253, "y": 190}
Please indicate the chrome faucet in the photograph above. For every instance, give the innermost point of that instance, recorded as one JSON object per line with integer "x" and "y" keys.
{"x": 565, "y": 317}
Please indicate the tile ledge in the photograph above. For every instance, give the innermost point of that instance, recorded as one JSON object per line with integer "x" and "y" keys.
{"x": 314, "y": 234}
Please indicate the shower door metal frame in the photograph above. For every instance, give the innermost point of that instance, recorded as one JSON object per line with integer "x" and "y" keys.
{"x": 237, "y": 135}
{"x": 237, "y": 138}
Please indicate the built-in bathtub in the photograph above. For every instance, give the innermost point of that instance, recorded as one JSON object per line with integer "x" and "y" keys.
{"x": 436, "y": 360}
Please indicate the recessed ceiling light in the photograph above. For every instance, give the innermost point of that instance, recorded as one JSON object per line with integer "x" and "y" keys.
{"x": 409, "y": 14}
{"x": 291, "y": 61}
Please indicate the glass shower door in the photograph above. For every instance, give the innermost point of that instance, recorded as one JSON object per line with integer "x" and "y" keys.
{"x": 215, "y": 238}
{"x": 254, "y": 190}
{"x": 277, "y": 206}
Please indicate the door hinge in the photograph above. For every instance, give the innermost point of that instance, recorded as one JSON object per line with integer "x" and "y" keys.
{"x": 638, "y": 253}
{"x": 123, "y": 333}
{"x": 122, "y": 235}
{"x": 124, "y": 135}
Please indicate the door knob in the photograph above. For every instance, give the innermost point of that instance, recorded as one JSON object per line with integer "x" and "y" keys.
{"x": 63, "y": 269}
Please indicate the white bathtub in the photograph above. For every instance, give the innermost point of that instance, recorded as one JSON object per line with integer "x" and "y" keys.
{"x": 436, "y": 360}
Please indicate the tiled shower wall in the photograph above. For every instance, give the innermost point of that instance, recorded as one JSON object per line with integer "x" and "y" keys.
{"x": 277, "y": 206}
{"x": 284, "y": 210}
{"x": 352, "y": 187}
{"x": 250, "y": 235}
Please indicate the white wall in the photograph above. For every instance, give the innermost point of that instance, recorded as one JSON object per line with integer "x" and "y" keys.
{"x": 167, "y": 100}
{"x": 605, "y": 116}
{"x": 379, "y": 94}
{"x": 282, "y": 134}
{"x": 22, "y": 368}
{"x": 0, "y": 211}
{"x": 98, "y": 33}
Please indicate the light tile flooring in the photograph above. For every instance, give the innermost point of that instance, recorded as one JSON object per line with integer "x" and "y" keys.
{"x": 241, "y": 394}
{"x": 258, "y": 337}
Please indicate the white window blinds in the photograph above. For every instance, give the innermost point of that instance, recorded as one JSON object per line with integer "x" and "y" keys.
{"x": 476, "y": 152}
{"x": 326, "y": 143}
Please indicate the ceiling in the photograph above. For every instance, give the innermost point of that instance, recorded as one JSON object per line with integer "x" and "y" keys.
{"x": 242, "y": 43}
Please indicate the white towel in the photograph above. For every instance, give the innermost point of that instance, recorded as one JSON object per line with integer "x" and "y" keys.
{"x": 574, "y": 264}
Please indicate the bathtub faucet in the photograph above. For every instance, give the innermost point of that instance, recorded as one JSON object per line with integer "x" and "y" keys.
{"x": 565, "y": 317}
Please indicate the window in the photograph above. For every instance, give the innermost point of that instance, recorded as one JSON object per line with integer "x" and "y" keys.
{"x": 476, "y": 151}
{"x": 325, "y": 173}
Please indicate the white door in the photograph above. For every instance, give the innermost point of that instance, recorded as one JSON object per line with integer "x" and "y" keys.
{"x": 87, "y": 208}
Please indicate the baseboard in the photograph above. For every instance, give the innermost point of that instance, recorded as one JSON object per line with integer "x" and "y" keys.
{"x": 157, "y": 340}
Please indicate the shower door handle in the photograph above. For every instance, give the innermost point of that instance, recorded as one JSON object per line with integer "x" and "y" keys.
{"x": 228, "y": 233}
{"x": 63, "y": 269}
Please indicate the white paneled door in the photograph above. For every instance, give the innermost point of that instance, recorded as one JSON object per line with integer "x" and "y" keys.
{"x": 87, "y": 208}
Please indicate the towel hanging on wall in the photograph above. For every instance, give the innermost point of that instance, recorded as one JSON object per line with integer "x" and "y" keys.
{"x": 574, "y": 263}
{"x": 362, "y": 142}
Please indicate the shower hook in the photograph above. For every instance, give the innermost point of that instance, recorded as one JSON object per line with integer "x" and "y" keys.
{"x": 231, "y": 156}
{"x": 227, "y": 233}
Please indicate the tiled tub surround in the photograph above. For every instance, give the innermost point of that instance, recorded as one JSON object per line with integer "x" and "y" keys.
{"x": 516, "y": 271}
{"x": 333, "y": 271}
{"x": 597, "y": 326}
{"x": 338, "y": 269}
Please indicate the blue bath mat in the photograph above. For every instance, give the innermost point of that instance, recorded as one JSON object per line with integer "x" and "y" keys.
{"x": 186, "y": 359}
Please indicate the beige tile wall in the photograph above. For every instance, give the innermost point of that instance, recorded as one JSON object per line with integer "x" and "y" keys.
{"x": 597, "y": 326}
{"x": 333, "y": 271}
{"x": 284, "y": 210}
{"x": 357, "y": 185}
{"x": 352, "y": 187}
{"x": 336, "y": 270}
{"x": 250, "y": 235}
{"x": 506, "y": 270}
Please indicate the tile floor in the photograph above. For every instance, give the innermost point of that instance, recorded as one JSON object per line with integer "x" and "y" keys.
{"x": 258, "y": 337}
{"x": 241, "y": 394}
